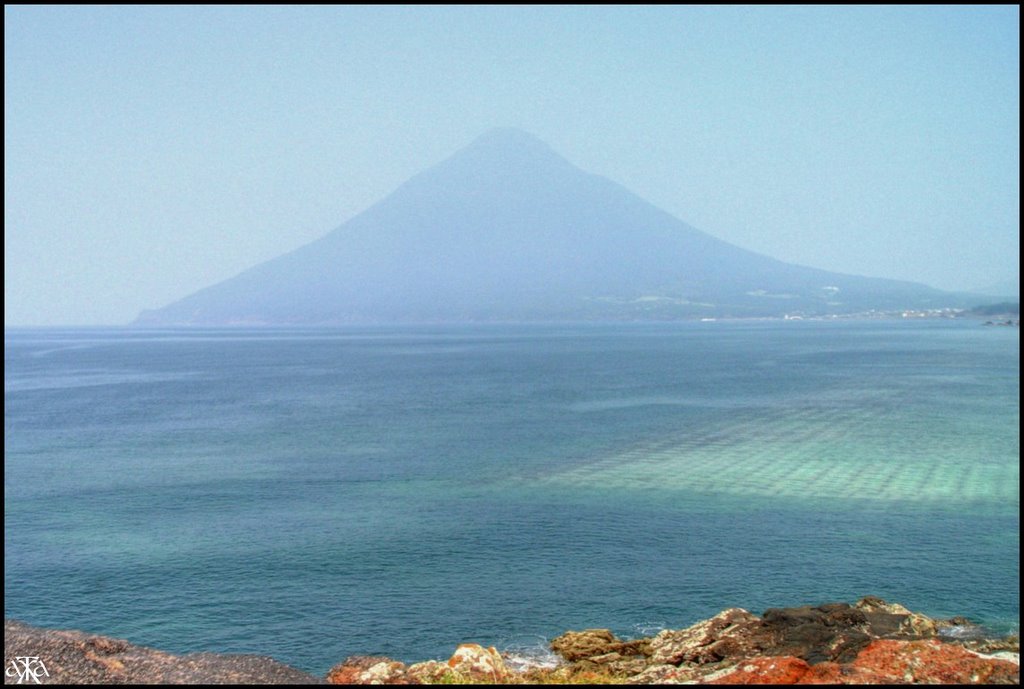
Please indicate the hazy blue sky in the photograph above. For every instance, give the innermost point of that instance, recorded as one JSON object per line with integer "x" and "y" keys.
{"x": 153, "y": 151}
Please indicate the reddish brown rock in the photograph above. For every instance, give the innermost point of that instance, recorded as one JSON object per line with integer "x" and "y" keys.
{"x": 932, "y": 662}
{"x": 883, "y": 661}
{"x": 771, "y": 670}
{"x": 834, "y": 673}
{"x": 368, "y": 670}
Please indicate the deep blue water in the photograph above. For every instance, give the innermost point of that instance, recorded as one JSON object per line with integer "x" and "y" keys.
{"x": 313, "y": 494}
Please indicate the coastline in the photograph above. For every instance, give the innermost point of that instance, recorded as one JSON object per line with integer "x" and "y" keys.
{"x": 870, "y": 641}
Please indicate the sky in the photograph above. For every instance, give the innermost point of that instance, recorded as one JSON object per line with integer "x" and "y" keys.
{"x": 153, "y": 151}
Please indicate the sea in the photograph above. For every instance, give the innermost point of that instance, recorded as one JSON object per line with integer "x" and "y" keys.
{"x": 311, "y": 494}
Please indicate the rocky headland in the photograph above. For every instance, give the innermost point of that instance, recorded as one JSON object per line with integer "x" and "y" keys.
{"x": 867, "y": 642}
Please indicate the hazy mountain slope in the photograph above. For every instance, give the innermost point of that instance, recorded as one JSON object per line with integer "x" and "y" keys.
{"x": 508, "y": 230}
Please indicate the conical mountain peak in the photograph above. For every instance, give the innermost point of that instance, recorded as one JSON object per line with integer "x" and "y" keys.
{"x": 508, "y": 230}
{"x": 509, "y": 138}
{"x": 509, "y": 147}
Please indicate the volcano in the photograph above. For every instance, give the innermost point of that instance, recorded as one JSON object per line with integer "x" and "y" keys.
{"x": 508, "y": 230}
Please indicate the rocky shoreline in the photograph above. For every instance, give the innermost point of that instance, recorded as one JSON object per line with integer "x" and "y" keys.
{"x": 867, "y": 642}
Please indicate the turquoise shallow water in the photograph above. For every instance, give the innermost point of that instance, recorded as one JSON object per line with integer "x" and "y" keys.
{"x": 313, "y": 494}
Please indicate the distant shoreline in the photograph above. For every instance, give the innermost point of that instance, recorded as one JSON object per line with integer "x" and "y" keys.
{"x": 894, "y": 316}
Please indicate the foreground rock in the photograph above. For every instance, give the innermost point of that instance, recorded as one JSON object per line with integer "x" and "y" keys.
{"x": 868, "y": 642}
{"x": 835, "y": 632}
{"x": 72, "y": 657}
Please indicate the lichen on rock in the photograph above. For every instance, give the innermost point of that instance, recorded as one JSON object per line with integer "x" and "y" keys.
{"x": 478, "y": 663}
